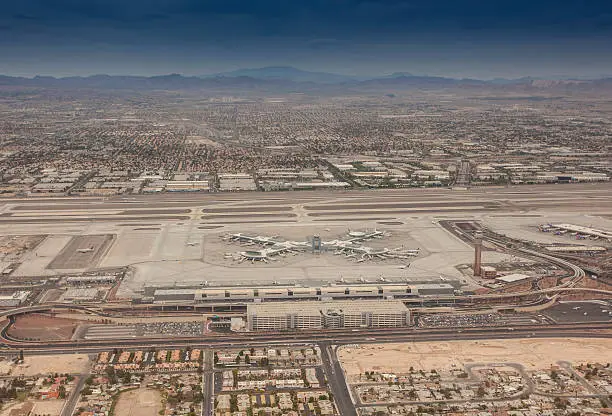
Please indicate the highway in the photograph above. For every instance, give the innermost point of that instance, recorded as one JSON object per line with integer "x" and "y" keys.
{"x": 338, "y": 337}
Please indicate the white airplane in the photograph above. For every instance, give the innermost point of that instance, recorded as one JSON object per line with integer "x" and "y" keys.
{"x": 192, "y": 243}
{"x": 85, "y": 250}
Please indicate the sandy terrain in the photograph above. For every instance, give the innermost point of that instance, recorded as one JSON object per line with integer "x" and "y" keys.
{"x": 37, "y": 407}
{"x": 13, "y": 247}
{"x": 140, "y": 402}
{"x": 532, "y": 353}
{"x": 34, "y": 263}
{"x": 42, "y": 327}
{"x": 45, "y": 364}
{"x": 48, "y": 407}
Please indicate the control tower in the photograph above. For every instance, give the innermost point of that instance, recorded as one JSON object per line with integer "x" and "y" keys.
{"x": 477, "y": 253}
{"x": 316, "y": 244}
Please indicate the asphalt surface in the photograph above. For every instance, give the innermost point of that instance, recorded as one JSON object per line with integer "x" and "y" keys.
{"x": 208, "y": 384}
{"x": 336, "y": 381}
{"x": 73, "y": 399}
{"x": 309, "y": 338}
{"x": 577, "y": 197}
{"x": 579, "y": 311}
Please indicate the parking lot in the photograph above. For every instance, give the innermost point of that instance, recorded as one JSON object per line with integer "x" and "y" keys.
{"x": 478, "y": 320}
{"x": 594, "y": 311}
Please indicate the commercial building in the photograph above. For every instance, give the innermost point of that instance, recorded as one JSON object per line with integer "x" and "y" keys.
{"x": 14, "y": 299}
{"x": 578, "y": 229}
{"x": 86, "y": 280}
{"x": 279, "y": 316}
{"x": 187, "y": 186}
{"x": 432, "y": 289}
{"x": 79, "y": 295}
{"x": 488, "y": 272}
{"x": 577, "y": 249}
{"x": 512, "y": 278}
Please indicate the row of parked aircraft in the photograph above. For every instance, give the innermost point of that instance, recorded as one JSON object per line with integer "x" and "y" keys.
{"x": 350, "y": 247}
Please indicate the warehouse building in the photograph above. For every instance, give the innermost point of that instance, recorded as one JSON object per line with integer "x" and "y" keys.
{"x": 280, "y": 316}
{"x": 76, "y": 295}
{"x": 13, "y": 299}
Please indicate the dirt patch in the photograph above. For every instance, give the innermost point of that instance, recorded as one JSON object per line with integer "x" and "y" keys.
{"x": 41, "y": 327}
{"x": 532, "y": 353}
{"x": 48, "y": 407}
{"x": 140, "y": 402}
{"x": 12, "y": 247}
{"x": 45, "y": 364}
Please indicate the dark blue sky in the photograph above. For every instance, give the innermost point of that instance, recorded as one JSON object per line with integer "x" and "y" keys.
{"x": 463, "y": 38}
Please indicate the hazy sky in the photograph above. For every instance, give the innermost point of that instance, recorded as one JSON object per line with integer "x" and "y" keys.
{"x": 461, "y": 38}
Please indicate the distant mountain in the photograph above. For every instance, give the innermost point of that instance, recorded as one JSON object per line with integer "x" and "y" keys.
{"x": 289, "y": 79}
{"x": 397, "y": 75}
{"x": 286, "y": 73}
{"x": 160, "y": 82}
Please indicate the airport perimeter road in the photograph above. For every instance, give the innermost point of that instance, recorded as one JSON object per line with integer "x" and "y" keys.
{"x": 336, "y": 381}
{"x": 208, "y": 383}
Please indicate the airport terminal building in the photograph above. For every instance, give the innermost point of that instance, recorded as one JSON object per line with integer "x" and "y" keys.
{"x": 279, "y": 316}
{"x": 284, "y": 293}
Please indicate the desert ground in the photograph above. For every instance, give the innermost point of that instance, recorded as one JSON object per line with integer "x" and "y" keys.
{"x": 531, "y": 353}
{"x": 41, "y": 364}
{"x": 42, "y": 327}
{"x": 39, "y": 407}
{"x": 139, "y": 402}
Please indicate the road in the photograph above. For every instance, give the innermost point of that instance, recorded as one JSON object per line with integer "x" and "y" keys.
{"x": 336, "y": 381}
{"x": 73, "y": 399}
{"x": 594, "y": 391}
{"x": 601, "y": 330}
{"x": 208, "y": 383}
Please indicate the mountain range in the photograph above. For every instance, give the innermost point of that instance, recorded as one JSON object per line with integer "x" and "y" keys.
{"x": 287, "y": 78}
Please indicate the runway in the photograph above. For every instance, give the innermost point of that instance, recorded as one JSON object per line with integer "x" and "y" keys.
{"x": 305, "y": 206}
{"x": 176, "y": 237}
